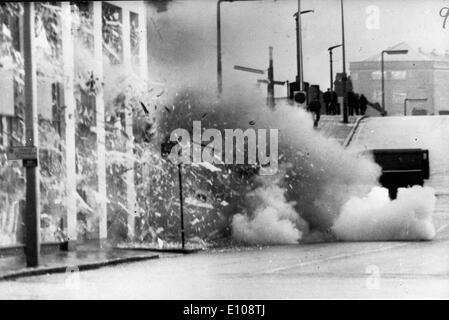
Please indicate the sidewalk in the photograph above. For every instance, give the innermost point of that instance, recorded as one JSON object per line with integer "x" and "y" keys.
{"x": 333, "y": 127}
{"x": 86, "y": 257}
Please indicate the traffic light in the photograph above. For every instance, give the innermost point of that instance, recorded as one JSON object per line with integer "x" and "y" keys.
{"x": 301, "y": 98}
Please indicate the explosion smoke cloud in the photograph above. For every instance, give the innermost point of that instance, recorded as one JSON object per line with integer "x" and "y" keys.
{"x": 313, "y": 197}
{"x": 376, "y": 217}
{"x": 322, "y": 191}
{"x": 273, "y": 220}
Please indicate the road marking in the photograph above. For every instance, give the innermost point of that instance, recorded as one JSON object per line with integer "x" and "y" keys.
{"x": 336, "y": 257}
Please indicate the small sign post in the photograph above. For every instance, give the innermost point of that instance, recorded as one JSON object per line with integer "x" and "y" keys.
{"x": 165, "y": 153}
{"x": 21, "y": 153}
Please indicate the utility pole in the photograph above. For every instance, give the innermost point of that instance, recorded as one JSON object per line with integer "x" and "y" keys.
{"x": 32, "y": 215}
{"x": 299, "y": 56}
{"x": 270, "y": 82}
{"x": 181, "y": 204}
{"x": 382, "y": 80}
{"x": 345, "y": 94}
{"x": 300, "y": 74}
{"x": 219, "y": 64}
{"x": 332, "y": 72}
{"x": 331, "y": 65}
{"x": 270, "y": 85}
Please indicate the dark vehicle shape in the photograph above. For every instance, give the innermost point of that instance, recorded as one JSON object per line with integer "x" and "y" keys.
{"x": 402, "y": 168}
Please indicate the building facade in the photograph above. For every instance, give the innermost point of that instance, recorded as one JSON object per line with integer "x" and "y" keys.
{"x": 79, "y": 48}
{"x": 421, "y": 78}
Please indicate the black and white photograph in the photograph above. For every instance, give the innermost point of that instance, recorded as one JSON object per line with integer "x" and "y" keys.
{"x": 236, "y": 151}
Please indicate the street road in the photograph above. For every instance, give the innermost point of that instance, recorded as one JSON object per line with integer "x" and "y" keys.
{"x": 384, "y": 270}
{"x": 333, "y": 270}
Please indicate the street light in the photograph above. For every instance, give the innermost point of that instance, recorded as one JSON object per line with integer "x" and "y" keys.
{"x": 389, "y": 52}
{"x": 299, "y": 61}
{"x": 331, "y": 69}
{"x": 345, "y": 97}
{"x": 219, "y": 65}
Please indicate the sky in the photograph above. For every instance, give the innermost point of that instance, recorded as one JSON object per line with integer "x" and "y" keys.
{"x": 182, "y": 39}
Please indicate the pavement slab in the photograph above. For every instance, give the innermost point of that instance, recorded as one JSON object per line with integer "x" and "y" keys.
{"x": 12, "y": 267}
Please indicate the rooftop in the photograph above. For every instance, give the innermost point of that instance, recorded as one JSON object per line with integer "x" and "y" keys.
{"x": 412, "y": 55}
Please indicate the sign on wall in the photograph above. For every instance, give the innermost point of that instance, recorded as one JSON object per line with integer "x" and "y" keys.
{"x": 21, "y": 153}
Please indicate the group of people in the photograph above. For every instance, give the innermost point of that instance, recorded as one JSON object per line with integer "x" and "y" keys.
{"x": 357, "y": 104}
{"x": 331, "y": 103}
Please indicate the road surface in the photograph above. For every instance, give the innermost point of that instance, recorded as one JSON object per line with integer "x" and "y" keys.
{"x": 387, "y": 270}
{"x": 335, "y": 270}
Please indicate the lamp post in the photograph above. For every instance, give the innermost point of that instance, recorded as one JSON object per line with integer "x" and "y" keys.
{"x": 299, "y": 60}
{"x": 389, "y": 52}
{"x": 331, "y": 67}
{"x": 410, "y": 99}
{"x": 32, "y": 215}
{"x": 345, "y": 97}
{"x": 219, "y": 64}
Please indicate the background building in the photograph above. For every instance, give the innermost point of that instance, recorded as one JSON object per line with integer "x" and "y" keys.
{"x": 415, "y": 75}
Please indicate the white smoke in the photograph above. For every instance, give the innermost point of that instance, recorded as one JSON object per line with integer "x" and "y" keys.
{"x": 322, "y": 191}
{"x": 325, "y": 192}
{"x": 371, "y": 218}
{"x": 273, "y": 221}
{"x": 376, "y": 217}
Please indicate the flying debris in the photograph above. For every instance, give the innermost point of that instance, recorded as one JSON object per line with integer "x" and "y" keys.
{"x": 144, "y": 107}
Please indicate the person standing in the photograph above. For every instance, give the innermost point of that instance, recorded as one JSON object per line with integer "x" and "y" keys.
{"x": 315, "y": 107}
{"x": 335, "y": 109}
{"x": 352, "y": 103}
{"x": 327, "y": 97}
{"x": 363, "y": 102}
{"x": 356, "y": 103}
